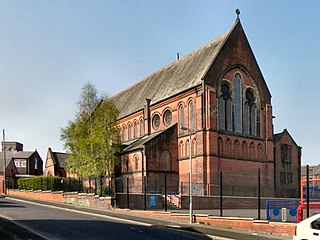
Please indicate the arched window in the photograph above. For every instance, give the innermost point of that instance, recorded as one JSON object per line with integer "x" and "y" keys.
{"x": 141, "y": 127}
{"x": 135, "y": 129}
{"x": 124, "y": 131}
{"x": 238, "y": 103}
{"x": 136, "y": 163}
{"x": 224, "y": 107}
{"x": 192, "y": 116}
{"x": 129, "y": 132}
{"x": 249, "y": 115}
{"x": 126, "y": 161}
{"x": 181, "y": 116}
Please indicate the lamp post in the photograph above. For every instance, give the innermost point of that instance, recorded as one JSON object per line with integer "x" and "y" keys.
{"x": 190, "y": 174}
{"x": 4, "y": 164}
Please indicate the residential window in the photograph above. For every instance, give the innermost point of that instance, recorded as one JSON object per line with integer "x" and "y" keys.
{"x": 23, "y": 163}
{"x": 286, "y": 153}
{"x": 36, "y": 163}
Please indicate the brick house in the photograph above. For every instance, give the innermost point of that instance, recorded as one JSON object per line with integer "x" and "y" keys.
{"x": 219, "y": 96}
{"x": 19, "y": 163}
{"x": 56, "y": 163}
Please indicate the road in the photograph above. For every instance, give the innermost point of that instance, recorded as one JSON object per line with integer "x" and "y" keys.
{"x": 59, "y": 223}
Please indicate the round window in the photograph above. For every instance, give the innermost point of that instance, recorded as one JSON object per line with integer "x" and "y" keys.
{"x": 250, "y": 95}
{"x": 167, "y": 117}
{"x": 156, "y": 121}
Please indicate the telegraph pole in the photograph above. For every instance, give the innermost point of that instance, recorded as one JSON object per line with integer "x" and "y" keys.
{"x": 4, "y": 163}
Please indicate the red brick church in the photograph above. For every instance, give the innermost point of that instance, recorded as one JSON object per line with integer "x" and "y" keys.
{"x": 216, "y": 99}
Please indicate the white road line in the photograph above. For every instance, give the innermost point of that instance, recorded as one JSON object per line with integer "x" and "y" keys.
{"x": 87, "y": 213}
{"x": 219, "y": 238}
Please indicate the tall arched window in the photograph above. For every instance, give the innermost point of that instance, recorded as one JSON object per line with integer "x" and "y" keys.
{"x": 224, "y": 107}
{"x": 238, "y": 103}
{"x": 244, "y": 149}
{"x": 129, "y": 131}
{"x": 249, "y": 115}
{"x": 141, "y": 127}
{"x": 136, "y": 163}
{"x": 192, "y": 116}
{"x": 124, "y": 133}
{"x": 181, "y": 116}
{"x": 135, "y": 129}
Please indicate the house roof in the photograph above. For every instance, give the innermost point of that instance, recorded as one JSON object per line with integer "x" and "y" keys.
{"x": 60, "y": 159}
{"x": 176, "y": 77}
{"x": 278, "y": 136}
{"x": 15, "y": 155}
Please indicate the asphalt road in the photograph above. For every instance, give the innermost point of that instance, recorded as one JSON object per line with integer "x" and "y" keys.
{"x": 68, "y": 222}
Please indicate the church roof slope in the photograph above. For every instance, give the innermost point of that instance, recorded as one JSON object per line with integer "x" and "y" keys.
{"x": 179, "y": 76}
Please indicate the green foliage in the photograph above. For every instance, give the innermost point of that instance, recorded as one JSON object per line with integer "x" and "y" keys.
{"x": 92, "y": 139}
{"x": 50, "y": 183}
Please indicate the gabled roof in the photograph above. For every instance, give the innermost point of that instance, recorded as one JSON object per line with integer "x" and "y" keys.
{"x": 176, "y": 77}
{"x": 278, "y": 136}
{"x": 15, "y": 155}
{"x": 60, "y": 159}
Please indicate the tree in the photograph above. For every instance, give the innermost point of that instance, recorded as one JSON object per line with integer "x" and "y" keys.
{"x": 92, "y": 138}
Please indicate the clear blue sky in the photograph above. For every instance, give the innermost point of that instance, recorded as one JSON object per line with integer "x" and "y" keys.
{"x": 49, "y": 49}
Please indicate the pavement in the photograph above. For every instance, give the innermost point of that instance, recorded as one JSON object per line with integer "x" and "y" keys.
{"x": 11, "y": 231}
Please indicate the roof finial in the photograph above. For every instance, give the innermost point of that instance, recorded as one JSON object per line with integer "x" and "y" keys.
{"x": 238, "y": 13}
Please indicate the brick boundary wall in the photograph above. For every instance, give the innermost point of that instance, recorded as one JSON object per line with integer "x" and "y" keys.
{"x": 91, "y": 200}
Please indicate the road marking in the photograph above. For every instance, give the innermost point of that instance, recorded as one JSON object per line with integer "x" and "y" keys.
{"x": 219, "y": 238}
{"x": 86, "y": 213}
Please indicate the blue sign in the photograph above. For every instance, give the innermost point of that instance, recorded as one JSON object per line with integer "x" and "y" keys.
{"x": 153, "y": 201}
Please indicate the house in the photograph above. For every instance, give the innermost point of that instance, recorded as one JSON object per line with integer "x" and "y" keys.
{"x": 212, "y": 106}
{"x": 19, "y": 163}
{"x": 56, "y": 163}
{"x": 287, "y": 168}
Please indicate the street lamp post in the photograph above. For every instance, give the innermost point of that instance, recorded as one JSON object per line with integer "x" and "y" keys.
{"x": 4, "y": 164}
{"x": 190, "y": 174}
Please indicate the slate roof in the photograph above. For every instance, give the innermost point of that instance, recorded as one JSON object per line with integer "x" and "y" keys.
{"x": 179, "y": 76}
{"x": 60, "y": 159}
{"x": 14, "y": 155}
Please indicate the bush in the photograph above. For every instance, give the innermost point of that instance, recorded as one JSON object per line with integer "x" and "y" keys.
{"x": 50, "y": 183}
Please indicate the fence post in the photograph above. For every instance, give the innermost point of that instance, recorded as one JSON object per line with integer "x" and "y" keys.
{"x": 128, "y": 193}
{"x": 308, "y": 192}
{"x": 101, "y": 187}
{"x": 259, "y": 195}
{"x": 165, "y": 193}
{"x": 145, "y": 192}
{"x": 79, "y": 184}
{"x": 221, "y": 192}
